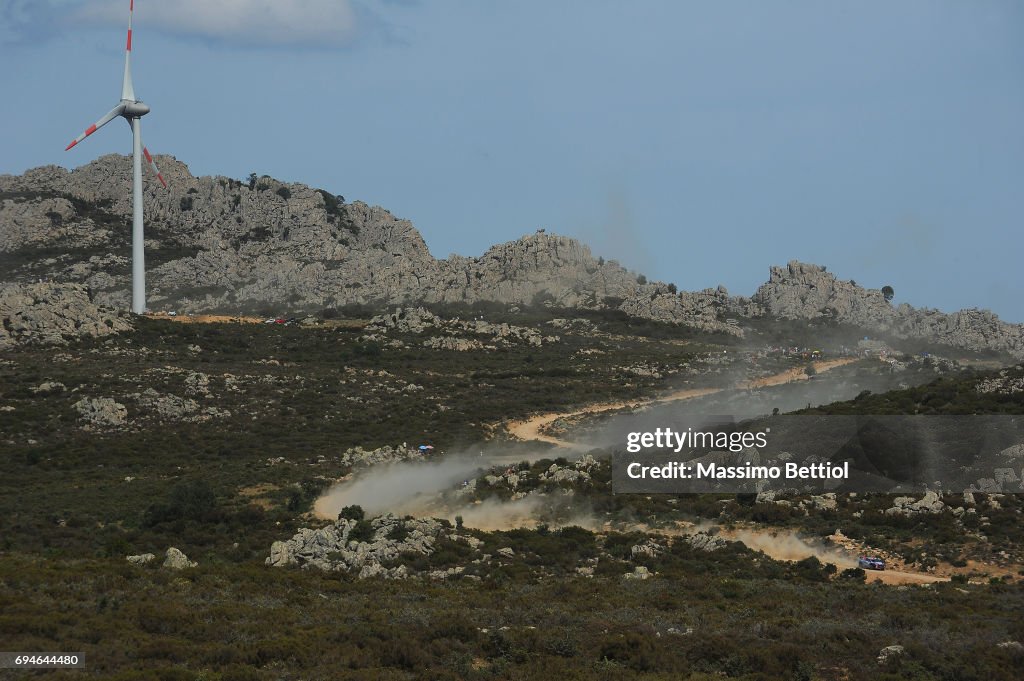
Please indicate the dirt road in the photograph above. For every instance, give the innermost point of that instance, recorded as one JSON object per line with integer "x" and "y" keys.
{"x": 895, "y": 577}
{"x": 208, "y": 319}
{"x": 533, "y": 428}
{"x": 788, "y": 545}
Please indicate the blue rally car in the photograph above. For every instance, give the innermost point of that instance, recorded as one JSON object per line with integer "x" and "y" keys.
{"x": 871, "y": 563}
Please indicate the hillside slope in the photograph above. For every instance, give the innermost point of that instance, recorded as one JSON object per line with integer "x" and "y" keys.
{"x": 215, "y": 244}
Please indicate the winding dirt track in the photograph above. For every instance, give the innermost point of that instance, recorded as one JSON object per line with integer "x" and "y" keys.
{"x": 533, "y": 429}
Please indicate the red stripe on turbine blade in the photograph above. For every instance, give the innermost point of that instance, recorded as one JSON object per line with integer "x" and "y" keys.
{"x": 129, "y": 40}
{"x": 73, "y": 143}
{"x": 131, "y": 7}
{"x": 90, "y": 130}
{"x": 146, "y": 152}
{"x": 162, "y": 181}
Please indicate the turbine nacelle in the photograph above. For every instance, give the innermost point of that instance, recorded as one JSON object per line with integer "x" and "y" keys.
{"x": 134, "y": 109}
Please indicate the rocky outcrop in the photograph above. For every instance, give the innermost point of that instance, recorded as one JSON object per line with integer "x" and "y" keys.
{"x": 176, "y": 560}
{"x": 49, "y": 388}
{"x": 705, "y": 541}
{"x": 101, "y": 412}
{"x": 803, "y": 291}
{"x": 648, "y": 549}
{"x": 888, "y": 653}
{"x": 577, "y": 471}
{"x": 167, "y": 406}
{"x": 557, "y": 478}
{"x": 823, "y": 502}
{"x": 931, "y": 502}
{"x": 405, "y": 320}
{"x": 141, "y": 559}
{"x": 174, "y": 408}
{"x": 365, "y": 548}
{"x": 197, "y": 384}
{"x": 215, "y": 244}
{"x": 357, "y": 456}
{"x": 639, "y": 572}
{"x": 1008, "y": 382}
{"x": 1013, "y": 454}
{"x": 52, "y": 314}
{"x": 457, "y": 334}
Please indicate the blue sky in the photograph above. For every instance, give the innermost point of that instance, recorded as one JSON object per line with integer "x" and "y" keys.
{"x": 697, "y": 142}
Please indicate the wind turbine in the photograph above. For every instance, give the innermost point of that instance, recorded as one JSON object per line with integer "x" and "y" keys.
{"x": 132, "y": 110}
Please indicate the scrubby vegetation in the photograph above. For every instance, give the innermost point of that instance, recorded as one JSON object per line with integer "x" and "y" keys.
{"x": 711, "y": 616}
{"x": 948, "y": 395}
{"x": 288, "y": 401}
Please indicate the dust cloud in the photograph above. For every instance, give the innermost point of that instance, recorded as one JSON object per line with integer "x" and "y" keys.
{"x": 400, "y": 488}
{"x": 430, "y": 488}
{"x": 789, "y": 546}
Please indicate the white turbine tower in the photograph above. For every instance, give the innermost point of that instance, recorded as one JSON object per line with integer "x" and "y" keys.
{"x": 132, "y": 110}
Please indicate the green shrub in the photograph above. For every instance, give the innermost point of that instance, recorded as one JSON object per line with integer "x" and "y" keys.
{"x": 354, "y": 512}
{"x": 362, "y": 532}
{"x": 854, "y": 575}
{"x": 189, "y": 501}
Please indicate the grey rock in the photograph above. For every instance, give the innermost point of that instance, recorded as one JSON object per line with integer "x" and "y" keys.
{"x": 197, "y": 384}
{"x": 234, "y": 247}
{"x": 571, "y": 474}
{"x": 649, "y": 549}
{"x": 52, "y": 314}
{"x": 49, "y": 388}
{"x": 889, "y": 652}
{"x": 703, "y": 541}
{"x": 929, "y": 503}
{"x": 280, "y": 554}
{"x": 357, "y": 456}
{"x": 446, "y": 574}
{"x": 101, "y": 412}
{"x": 168, "y": 406}
{"x": 467, "y": 539}
{"x": 141, "y": 559}
{"x": 331, "y": 548}
{"x": 1003, "y": 384}
{"x": 456, "y": 344}
{"x": 1013, "y": 454}
{"x": 803, "y": 291}
{"x": 176, "y": 560}
{"x": 418, "y": 320}
{"x": 296, "y": 247}
{"x": 639, "y": 572}
{"x": 824, "y": 502}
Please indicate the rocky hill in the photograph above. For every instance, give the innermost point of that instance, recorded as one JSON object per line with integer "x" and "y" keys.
{"x": 802, "y": 291}
{"x": 216, "y": 244}
{"x": 53, "y": 314}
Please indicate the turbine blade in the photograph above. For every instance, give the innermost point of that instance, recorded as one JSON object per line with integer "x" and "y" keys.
{"x": 111, "y": 115}
{"x": 152, "y": 164}
{"x": 127, "y": 89}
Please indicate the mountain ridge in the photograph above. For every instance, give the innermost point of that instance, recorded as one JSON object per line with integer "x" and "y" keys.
{"x": 216, "y": 244}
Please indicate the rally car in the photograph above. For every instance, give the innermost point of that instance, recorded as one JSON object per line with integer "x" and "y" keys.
{"x": 871, "y": 563}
